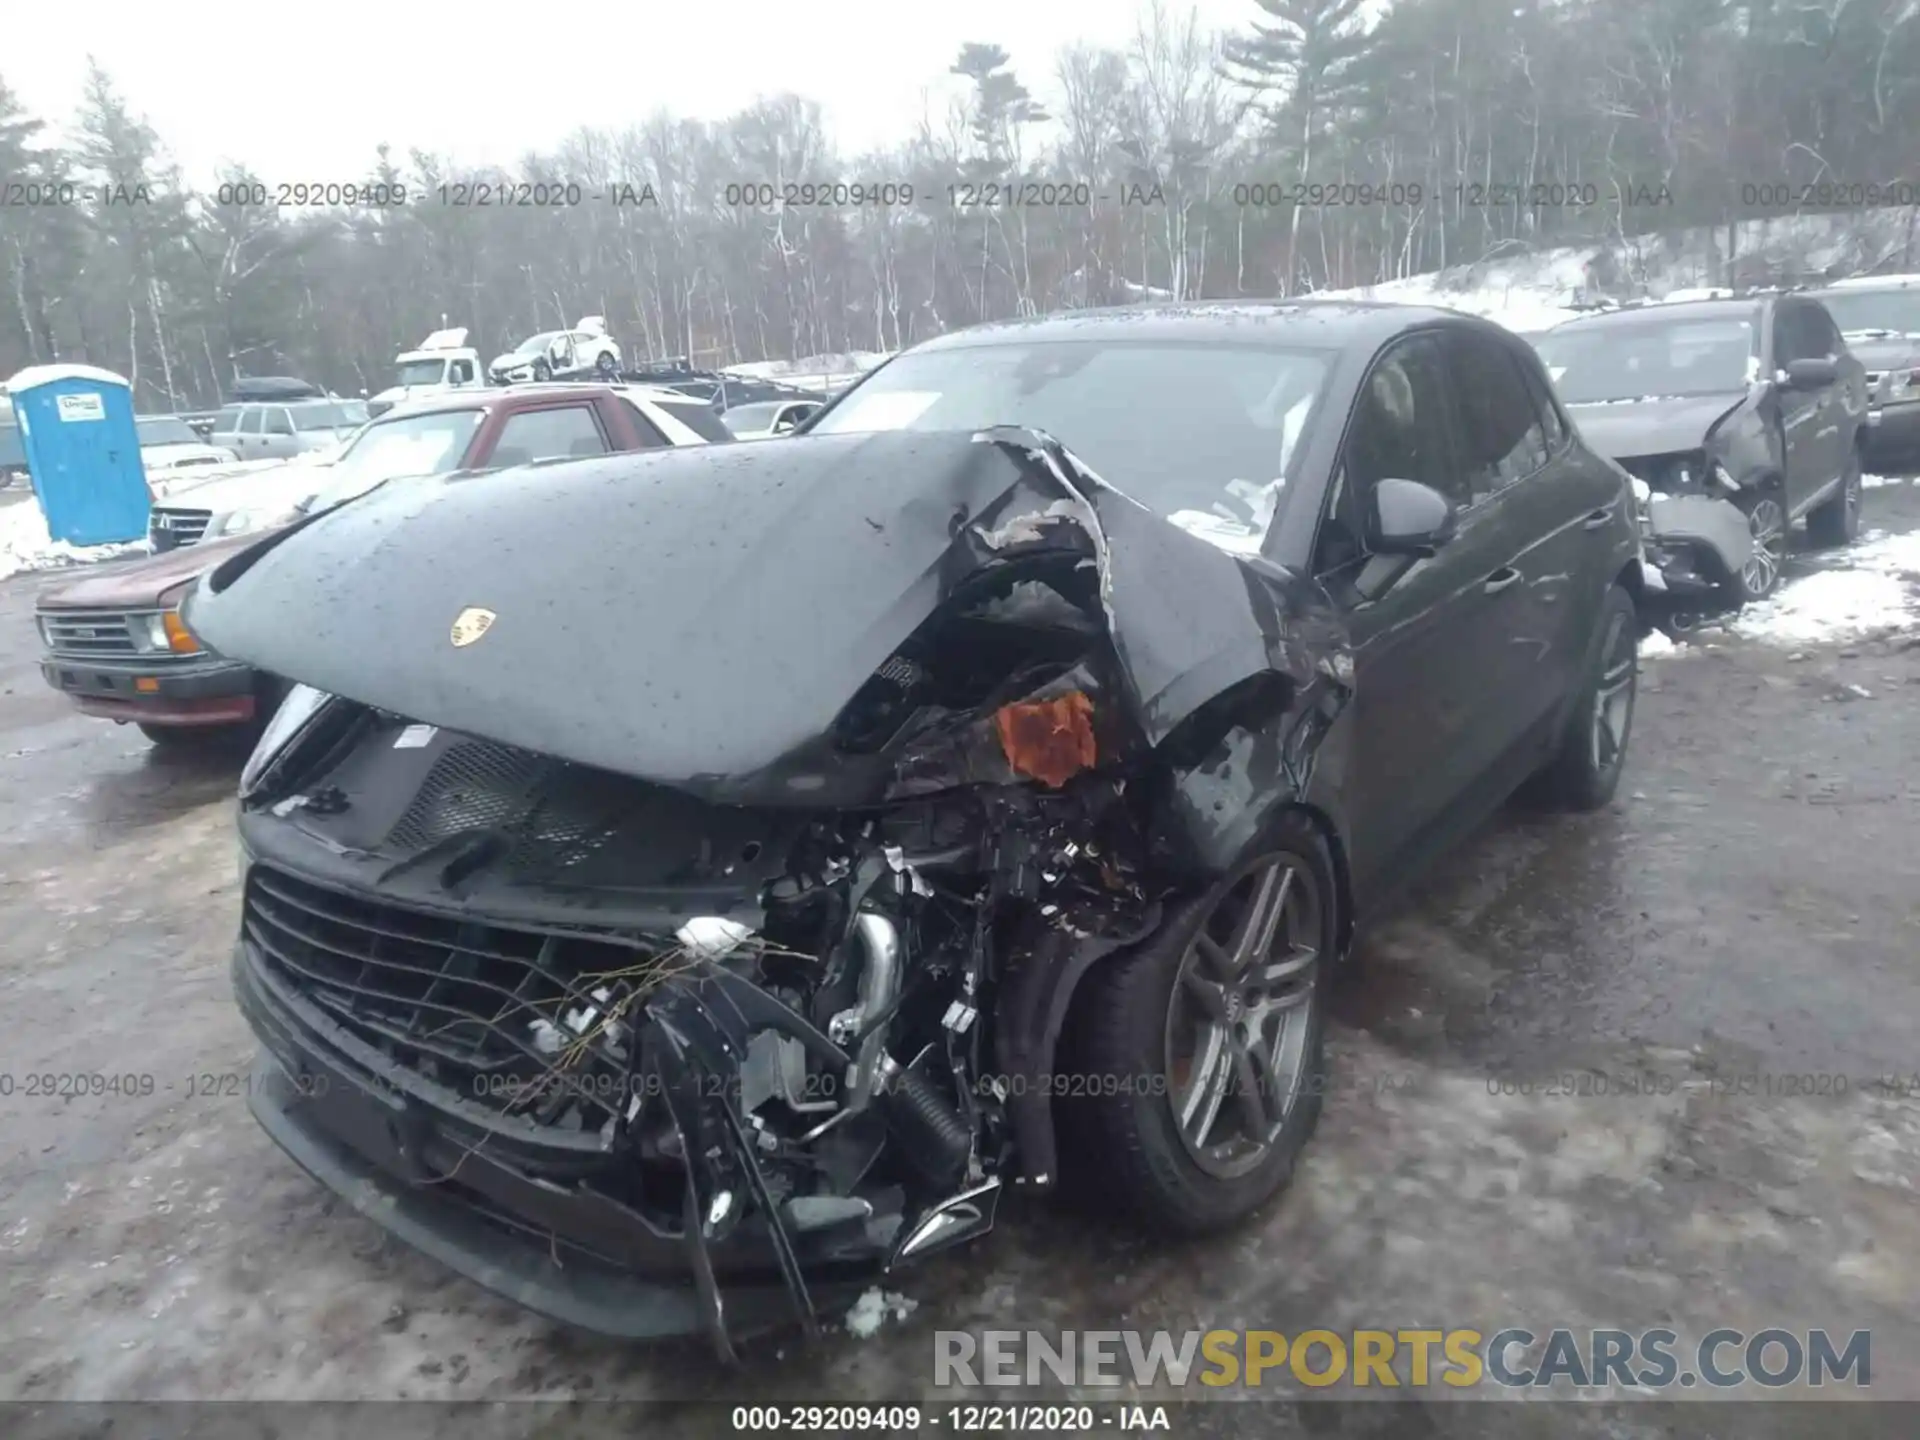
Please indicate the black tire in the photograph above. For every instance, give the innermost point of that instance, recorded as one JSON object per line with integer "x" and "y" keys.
{"x": 541, "y": 371}
{"x": 1585, "y": 771}
{"x": 605, "y": 366}
{"x": 1122, "y": 1142}
{"x": 1834, "y": 523}
{"x": 1766, "y": 512}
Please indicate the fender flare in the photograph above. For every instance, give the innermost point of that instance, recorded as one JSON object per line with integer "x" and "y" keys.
{"x": 1038, "y": 996}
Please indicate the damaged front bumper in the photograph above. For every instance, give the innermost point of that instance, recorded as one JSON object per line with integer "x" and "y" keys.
{"x": 496, "y": 1208}
{"x": 1697, "y": 545}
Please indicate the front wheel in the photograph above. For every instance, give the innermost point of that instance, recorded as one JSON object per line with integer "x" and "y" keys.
{"x": 1195, "y": 1066}
{"x": 542, "y": 371}
{"x": 1767, "y": 524}
{"x": 605, "y": 366}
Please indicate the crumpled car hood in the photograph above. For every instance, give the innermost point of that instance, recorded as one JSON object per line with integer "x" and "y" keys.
{"x": 1625, "y": 429}
{"x": 699, "y": 617}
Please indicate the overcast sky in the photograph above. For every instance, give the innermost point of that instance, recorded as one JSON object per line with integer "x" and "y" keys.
{"x": 305, "y": 93}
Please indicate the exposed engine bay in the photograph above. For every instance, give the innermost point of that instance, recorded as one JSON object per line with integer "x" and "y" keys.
{"x": 796, "y": 1025}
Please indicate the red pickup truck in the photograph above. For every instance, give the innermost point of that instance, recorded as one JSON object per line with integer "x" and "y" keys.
{"x": 113, "y": 639}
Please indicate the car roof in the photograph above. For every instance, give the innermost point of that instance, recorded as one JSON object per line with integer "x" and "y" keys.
{"x": 294, "y": 403}
{"x": 1322, "y": 324}
{"x": 1744, "y": 307}
{"x": 1872, "y": 282}
{"x": 495, "y": 395}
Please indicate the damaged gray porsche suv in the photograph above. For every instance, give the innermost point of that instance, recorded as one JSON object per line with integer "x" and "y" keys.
{"x": 686, "y": 887}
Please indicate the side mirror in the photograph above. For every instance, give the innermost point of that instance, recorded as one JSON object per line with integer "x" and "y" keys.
{"x": 784, "y": 424}
{"x": 1410, "y": 518}
{"x": 1811, "y": 374}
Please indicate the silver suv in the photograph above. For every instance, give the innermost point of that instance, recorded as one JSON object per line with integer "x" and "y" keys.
{"x": 278, "y": 430}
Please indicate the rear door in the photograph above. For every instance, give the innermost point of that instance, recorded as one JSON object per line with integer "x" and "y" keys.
{"x": 1419, "y": 628}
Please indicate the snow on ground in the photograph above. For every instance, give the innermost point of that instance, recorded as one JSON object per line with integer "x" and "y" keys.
{"x": 1533, "y": 291}
{"x": 1528, "y": 292}
{"x": 873, "y": 1309}
{"x": 1873, "y": 482}
{"x": 1653, "y": 645}
{"x": 25, "y": 544}
{"x": 1873, "y": 586}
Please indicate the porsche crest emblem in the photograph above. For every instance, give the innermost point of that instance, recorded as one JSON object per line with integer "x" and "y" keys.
{"x": 470, "y": 625}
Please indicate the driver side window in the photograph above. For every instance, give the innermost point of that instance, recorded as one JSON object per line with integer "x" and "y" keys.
{"x": 1794, "y": 338}
{"x": 1399, "y": 430}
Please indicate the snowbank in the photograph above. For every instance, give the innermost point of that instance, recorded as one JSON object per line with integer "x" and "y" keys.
{"x": 25, "y": 544}
{"x": 1533, "y": 291}
{"x": 1873, "y": 586}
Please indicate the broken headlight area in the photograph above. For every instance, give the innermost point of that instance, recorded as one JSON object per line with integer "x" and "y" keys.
{"x": 1687, "y": 473}
{"x": 764, "y": 1036}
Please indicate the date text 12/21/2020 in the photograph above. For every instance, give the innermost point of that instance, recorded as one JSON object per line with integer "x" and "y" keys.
{"x": 959, "y": 195}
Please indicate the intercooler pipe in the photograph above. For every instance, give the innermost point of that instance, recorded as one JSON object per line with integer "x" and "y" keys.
{"x": 930, "y": 1130}
{"x": 879, "y": 989}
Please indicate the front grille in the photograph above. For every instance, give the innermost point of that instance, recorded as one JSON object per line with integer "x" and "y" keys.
{"x": 552, "y": 815}
{"x": 512, "y": 1018}
{"x": 88, "y": 634}
{"x": 100, "y": 635}
{"x": 168, "y": 528}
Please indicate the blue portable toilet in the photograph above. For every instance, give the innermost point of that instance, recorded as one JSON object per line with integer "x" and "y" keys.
{"x": 83, "y": 453}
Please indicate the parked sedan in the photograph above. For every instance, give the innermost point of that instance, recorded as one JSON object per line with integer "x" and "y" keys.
{"x": 584, "y": 352}
{"x": 767, "y": 418}
{"x": 113, "y": 640}
{"x": 1755, "y": 400}
{"x": 169, "y": 446}
{"x": 686, "y": 886}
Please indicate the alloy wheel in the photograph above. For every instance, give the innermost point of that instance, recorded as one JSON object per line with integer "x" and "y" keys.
{"x": 1239, "y": 1021}
{"x": 1613, "y": 696}
{"x": 1767, "y": 524}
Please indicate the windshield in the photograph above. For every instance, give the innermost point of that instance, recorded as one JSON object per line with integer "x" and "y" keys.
{"x": 1646, "y": 360}
{"x": 331, "y": 416}
{"x": 1867, "y": 312}
{"x": 422, "y": 372}
{"x": 749, "y": 417}
{"x": 1204, "y": 435}
{"x": 165, "y": 430}
{"x": 416, "y": 445}
{"x": 537, "y": 345}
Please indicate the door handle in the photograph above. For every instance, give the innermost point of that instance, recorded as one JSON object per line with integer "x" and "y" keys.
{"x": 1598, "y": 518}
{"x": 1500, "y": 579}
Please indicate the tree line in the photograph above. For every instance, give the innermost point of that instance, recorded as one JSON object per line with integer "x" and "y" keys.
{"x": 1324, "y": 145}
